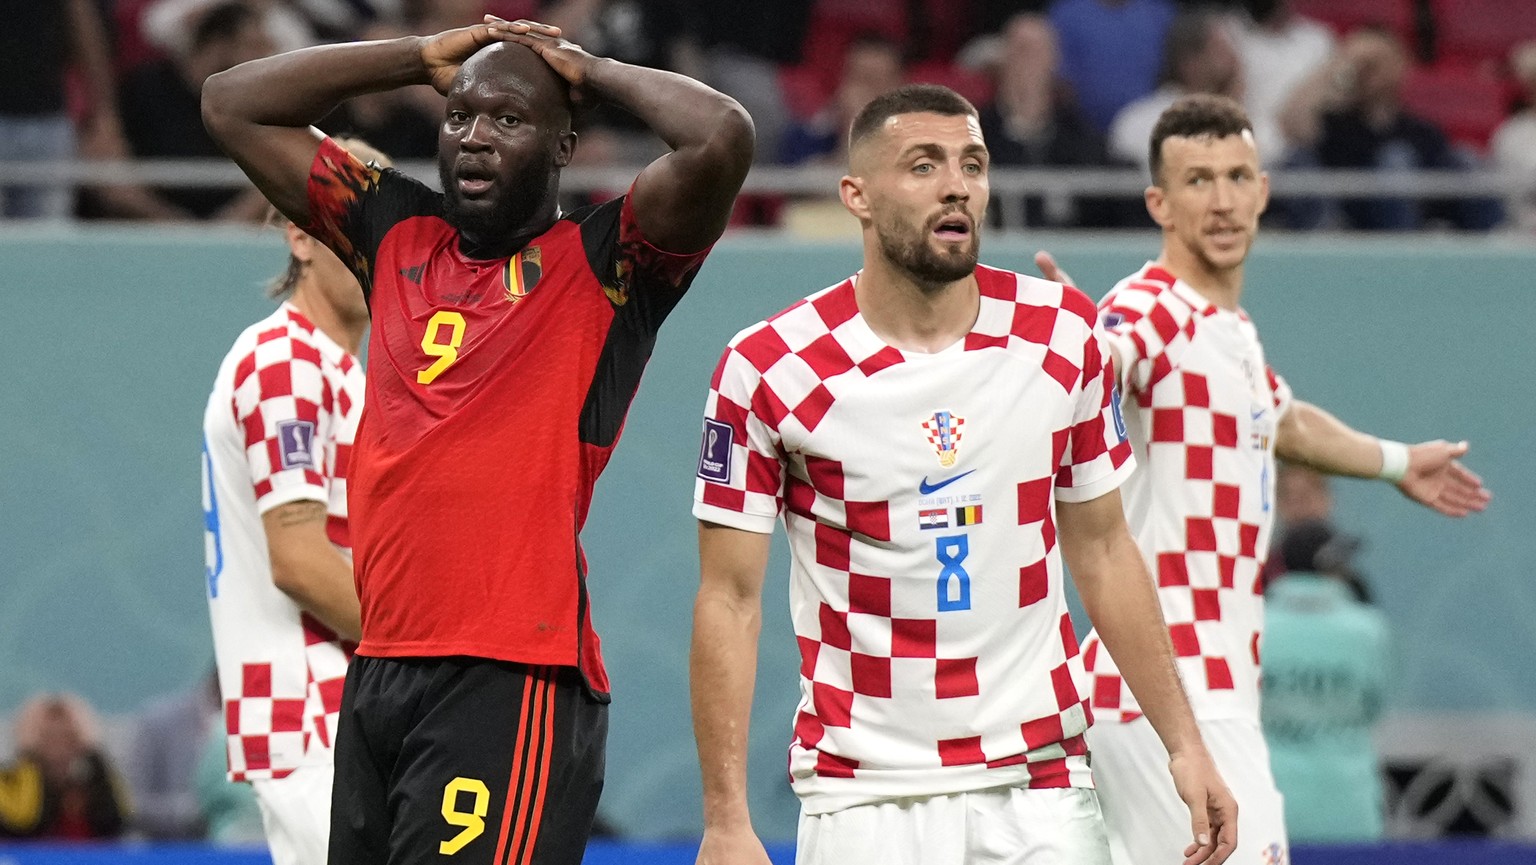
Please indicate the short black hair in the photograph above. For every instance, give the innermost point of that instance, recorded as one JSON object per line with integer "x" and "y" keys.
{"x": 908, "y": 99}
{"x": 222, "y": 22}
{"x": 1200, "y": 114}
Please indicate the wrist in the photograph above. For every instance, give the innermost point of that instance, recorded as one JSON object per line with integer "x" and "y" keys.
{"x": 1394, "y": 460}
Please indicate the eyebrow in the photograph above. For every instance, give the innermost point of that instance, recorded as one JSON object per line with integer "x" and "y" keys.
{"x": 938, "y": 152}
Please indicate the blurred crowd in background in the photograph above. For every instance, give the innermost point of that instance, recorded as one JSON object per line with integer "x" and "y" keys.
{"x": 1389, "y": 85}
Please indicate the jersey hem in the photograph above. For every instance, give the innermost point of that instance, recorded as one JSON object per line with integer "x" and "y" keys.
{"x": 826, "y": 801}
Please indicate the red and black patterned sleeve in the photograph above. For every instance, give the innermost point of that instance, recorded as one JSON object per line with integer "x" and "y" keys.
{"x": 642, "y": 281}
{"x": 353, "y": 205}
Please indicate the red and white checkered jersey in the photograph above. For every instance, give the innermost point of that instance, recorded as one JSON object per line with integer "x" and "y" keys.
{"x": 278, "y": 429}
{"x": 918, "y": 492}
{"x": 1202, "y": 412}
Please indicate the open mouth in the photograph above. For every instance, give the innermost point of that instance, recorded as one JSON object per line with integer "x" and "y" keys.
{"x": 953, "y": 229}
{"x": 474, "y": 180}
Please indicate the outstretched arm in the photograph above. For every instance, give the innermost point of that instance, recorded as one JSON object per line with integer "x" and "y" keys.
{"x": 1429, "y": 472}
{"x": 261, "y": 113}
{"x": 1117, "y": 592}
{"x": 682, "y": 200}
{"x": 727, "y": 617}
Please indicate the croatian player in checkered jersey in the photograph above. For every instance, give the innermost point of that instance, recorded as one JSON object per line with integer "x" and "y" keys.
{"x": 277, "y": 434}
{"x": 927, "y": 429}
{"x": 1209, "y": 419}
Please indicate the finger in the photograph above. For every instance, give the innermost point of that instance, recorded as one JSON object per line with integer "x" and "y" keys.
{"x": 1226, "y": 841}
{"x": 523, "y": 25}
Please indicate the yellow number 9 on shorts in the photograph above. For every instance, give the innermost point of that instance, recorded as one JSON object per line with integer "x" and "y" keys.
{"x": 473, "y": 820}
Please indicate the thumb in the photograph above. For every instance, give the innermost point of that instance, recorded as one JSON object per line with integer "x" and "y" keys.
{"x": 1460, "y": 448}
{"x": 1047, "y": 264}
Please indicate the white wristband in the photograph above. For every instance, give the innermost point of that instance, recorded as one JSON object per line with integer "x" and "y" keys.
{"x": 1394, "y": 460}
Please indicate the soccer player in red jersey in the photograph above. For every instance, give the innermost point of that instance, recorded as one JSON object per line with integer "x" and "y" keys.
{"x": 507, "y": 342}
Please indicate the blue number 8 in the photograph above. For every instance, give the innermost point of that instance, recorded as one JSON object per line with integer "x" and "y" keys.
{"x": 954, "y": 582}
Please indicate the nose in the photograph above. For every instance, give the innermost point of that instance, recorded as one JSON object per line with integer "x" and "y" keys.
{"x": 1224, "y": 195}
{"x": 956, "y": 185}
{"x": 476, "y": 134}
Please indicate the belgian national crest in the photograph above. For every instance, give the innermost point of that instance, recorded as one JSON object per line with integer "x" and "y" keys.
{"x": 522, "y": 273}
{"x": 944, "y": 431}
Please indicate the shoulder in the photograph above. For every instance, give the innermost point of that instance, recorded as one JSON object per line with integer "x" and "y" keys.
{"x": 1141, "y": 292}
{"x": 799, "y": 324}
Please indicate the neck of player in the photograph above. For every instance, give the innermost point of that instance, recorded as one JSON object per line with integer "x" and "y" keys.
{"x": 1221, "y": 286}
{"x": 911, "y": 315}
{"x": 344, "y": 329}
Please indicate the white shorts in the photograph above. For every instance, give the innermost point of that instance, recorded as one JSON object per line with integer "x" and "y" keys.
{"x": 296, "y": 812}
{"x": 1002, "y": 826}
{"x": 1148, "y": 822}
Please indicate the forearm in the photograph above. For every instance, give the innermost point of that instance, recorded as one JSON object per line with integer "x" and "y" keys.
{"x": 722, "y": 672}
{"x": 308, "y": 568}
{"x": 1315, "y": 438}
{"x": 1118, "y": 594}
{"x": 298, "y": 88}
{"x": 681, "y": 111}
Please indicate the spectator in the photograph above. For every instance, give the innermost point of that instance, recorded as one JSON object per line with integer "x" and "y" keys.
{"x": 1199, "y": 56}
{"x": 228, "y": 808}
{"x": 1302, "y": 495}
{"x": 1035, "y": 120}
{"x": 1514, "y": 143}
{"x": 871, "y": 66}
{"x": 1279, "y": 50}
{"x": 1324, "y": 681}
{"x": 1350, "y": 113}
{"x": 162, "y": 767}
{"x": 38, "y": 44}
{"x": 163, "y": 119}
{"x": 61, "y": 785}
{"x": 405, "y": 121}
{"x": 1111, "y": 50}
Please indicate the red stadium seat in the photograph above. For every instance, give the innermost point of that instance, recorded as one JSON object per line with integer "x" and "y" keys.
{"x": 804, "y": 88}
{"x": 972, "y": 85}
{"x": 1346, "y": 15}
{"x": 835, "y": 23}
{"x": 1467, "y": 105}
{"x": 1473, "y": 31}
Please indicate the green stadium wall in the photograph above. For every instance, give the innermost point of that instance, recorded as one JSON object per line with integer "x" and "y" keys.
{"x": 113, "y": 335}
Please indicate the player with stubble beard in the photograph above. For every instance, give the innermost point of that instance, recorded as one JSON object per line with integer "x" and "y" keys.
{"x": 507, "y": 343}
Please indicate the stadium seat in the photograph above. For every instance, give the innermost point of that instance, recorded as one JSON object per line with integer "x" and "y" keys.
{"x": 835, "y": 23}
{"x": 972, "y": 85}
{"x": 1478, "y": 31}
{"x": 1395, "y": 15}
{"x": 804, "y": 88}
{"x": 1467, "y": 105}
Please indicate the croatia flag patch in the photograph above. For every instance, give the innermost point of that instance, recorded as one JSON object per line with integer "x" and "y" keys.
{"x": 933, "y": 518}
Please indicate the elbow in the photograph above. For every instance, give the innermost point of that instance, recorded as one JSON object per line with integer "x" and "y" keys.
{"x": 215, "y": 106}
{"x": 733, "y": 137}
{"x": 288, "y": 577}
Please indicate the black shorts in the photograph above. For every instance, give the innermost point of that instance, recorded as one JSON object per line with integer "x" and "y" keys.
{"x": 465, "y": 760}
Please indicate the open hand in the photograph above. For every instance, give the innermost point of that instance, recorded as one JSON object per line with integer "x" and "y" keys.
{"x": 1438, "y": 480}
{"x": 444, "y": 53}
{"x": 1212, "y": 810}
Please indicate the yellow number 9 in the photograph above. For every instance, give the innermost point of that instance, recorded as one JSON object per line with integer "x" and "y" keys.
{"x": 472, "y": 821}
{"x": 446, "y": 354}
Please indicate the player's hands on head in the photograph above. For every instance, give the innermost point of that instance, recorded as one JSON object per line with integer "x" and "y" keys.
{"x": 1436, "y": 479}
{"x": 565, "y": 57}
{"x": 731, "y": 847}
{"x": 1051, "y": 270}
{"x": 1212, "y": 809}
{"x": 444, "y": 53}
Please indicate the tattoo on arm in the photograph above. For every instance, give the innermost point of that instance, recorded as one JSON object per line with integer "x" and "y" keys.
{"x": 299, "y": 513}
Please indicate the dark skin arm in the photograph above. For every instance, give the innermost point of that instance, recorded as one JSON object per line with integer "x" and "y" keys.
{"x": 682, "y": 200}
{"x": 262, "y": 112}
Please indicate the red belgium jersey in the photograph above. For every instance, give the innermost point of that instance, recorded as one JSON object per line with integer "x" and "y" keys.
{"x": 496, "y": 392}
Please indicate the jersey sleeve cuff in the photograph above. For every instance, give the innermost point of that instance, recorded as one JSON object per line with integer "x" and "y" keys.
{"x": 759, "y": 524}
{"x": 288, "y": 495}
{"x": 1087, "y": 492}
